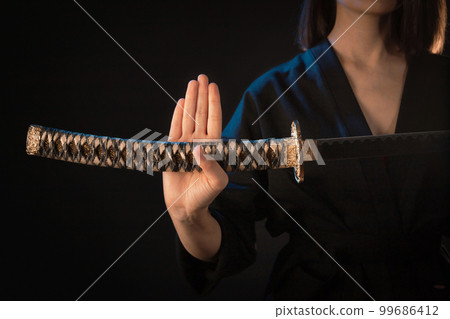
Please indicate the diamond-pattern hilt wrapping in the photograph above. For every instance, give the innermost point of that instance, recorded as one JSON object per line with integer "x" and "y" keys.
{"x": 144, "y": 155}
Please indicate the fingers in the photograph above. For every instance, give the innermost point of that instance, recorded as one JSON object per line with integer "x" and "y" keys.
{"x": 201, "y": 114}
{"x": 202, "y": 101}
{"x": 216, "y": 176}
{"x": 214, "y": 126}
{"x": 177, "y": 119}
{"x": 190, "y": 106}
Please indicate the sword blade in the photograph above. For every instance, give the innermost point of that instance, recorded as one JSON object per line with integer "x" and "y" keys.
{"x": 355, "y": 147}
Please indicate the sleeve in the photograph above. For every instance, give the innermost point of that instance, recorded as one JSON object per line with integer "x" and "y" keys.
{"x": 236, "y": 209}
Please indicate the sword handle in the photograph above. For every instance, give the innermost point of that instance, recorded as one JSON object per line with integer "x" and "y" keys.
{"x": 144, "y": 155}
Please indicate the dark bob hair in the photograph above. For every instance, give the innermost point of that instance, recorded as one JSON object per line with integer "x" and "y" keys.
{"x": 417, "y": 26}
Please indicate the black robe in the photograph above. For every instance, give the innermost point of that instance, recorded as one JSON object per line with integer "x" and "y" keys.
{"x": 382, "y": 219}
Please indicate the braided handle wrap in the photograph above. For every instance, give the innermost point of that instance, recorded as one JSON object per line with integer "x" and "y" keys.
{"x": 155, "y": 156}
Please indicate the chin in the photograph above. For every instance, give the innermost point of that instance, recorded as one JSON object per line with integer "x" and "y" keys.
{"x": 382, "y": 7}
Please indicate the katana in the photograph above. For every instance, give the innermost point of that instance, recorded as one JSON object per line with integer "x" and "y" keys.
{"x": 232, "y": 155}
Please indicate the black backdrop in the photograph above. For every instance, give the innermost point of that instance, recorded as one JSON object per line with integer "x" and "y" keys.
{"x": 64, "y": 224}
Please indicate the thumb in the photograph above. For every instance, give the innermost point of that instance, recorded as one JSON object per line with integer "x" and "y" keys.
{"x": 216, "y": 176}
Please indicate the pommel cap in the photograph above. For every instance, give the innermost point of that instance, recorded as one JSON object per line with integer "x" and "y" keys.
{"x": 33, "y": 139}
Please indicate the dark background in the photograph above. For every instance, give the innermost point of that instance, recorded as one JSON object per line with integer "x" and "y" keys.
{"x": 64, "y": 224}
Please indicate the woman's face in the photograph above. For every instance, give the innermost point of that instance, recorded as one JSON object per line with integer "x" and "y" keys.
{"x": 382, "y": 7}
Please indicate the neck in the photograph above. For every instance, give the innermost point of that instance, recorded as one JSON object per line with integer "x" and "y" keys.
{"x": 363, "y": 42}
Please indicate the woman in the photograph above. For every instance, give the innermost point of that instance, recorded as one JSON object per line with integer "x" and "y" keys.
{"x": 381, "y": 219}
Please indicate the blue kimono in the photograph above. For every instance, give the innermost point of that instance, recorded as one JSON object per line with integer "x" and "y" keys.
{"x": 381, "y": 219}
